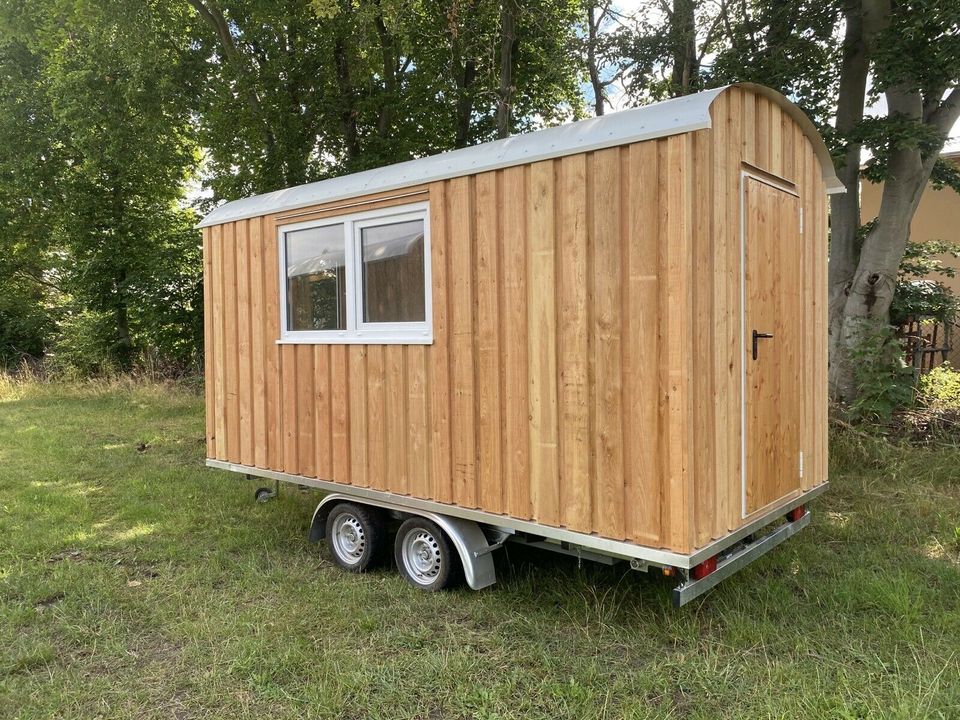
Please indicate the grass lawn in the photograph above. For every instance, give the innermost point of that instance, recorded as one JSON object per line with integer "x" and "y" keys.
{"x": 135, "y": 583}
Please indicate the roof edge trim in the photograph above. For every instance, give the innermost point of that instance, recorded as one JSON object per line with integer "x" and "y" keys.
{"x": 663, "y": 119}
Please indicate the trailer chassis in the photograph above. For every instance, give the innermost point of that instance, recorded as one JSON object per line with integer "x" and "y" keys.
{"x": 476, "y": 534}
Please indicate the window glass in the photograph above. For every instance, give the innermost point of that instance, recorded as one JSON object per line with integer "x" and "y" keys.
{"x": 316, "y": 279}
{"x": 393, "y": 282}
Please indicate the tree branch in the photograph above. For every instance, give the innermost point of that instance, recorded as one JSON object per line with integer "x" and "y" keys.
{"x": 214, "y": 17}
{"x": 708, "y": 39}
{"x": 944, "y": 117}
{"x": 27, "y": 275}
{"x": 904, "y": 100}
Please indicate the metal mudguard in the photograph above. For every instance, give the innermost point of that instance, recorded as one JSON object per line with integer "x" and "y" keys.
{"x": 466, "y": 536}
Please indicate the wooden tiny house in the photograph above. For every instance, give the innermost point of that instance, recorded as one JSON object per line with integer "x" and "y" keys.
{"x": 565, "y": 330}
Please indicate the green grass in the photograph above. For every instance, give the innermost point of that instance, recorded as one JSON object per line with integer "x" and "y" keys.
{"x": 138, "y": 584}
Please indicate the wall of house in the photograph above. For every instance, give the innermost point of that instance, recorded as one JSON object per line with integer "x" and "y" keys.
{"x": 585, "y": 367}
{"x": 937, "y": 218}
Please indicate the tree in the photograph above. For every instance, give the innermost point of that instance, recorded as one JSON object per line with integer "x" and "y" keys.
{"x": 298, "y": 91}
{"x": 596, "y": 14}
{"x": 911, "y": 51}
{"x": 269, "y": 95}
{"x": 660, "y": 50}
{"x": 792, "y": 47}
{"x": 116, "y": 146}
{"x": 915, "y": 52}
{"x": 30, "y": 171}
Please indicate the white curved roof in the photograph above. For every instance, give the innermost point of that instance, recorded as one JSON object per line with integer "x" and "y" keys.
{"x": 670, "y": 117}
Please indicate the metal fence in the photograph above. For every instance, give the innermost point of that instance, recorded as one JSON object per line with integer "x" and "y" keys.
{"x": 928, "y": 342}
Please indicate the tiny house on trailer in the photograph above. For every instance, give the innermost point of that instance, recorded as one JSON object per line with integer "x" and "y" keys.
{"x": 606, "y": 338}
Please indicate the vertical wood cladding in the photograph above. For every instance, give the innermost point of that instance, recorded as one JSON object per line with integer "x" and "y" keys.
{"x": 586, "y": 364}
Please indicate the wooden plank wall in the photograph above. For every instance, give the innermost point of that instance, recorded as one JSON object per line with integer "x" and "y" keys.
{"x": 585, "y": 365}
{"x": 751, "y": 129}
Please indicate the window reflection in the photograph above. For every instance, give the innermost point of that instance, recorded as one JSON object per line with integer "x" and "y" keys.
{"x": 316, "y": 279}
{"x": 393, "y": 277}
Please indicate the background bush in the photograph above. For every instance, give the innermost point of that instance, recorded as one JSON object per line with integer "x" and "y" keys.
{"x": 940, "y": 388}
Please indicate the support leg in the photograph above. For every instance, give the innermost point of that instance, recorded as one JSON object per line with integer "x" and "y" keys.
{"x": 265, "y": 494}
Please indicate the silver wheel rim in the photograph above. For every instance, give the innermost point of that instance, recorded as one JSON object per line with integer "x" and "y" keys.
{"x": 421, "y": 556}
{"x": 349, "y": 539}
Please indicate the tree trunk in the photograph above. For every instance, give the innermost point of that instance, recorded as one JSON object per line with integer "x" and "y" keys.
{"x": 348, "y": 115}
{"x": 465, "y": 73}
{"x": 508, "y": 40}
{"x": 389, "y": 63}
{"x": 465, "y": 103}
{"x": 686, "y": 66}
{"x": 845, "y": 207}
{"x": 871, "y": 291}
{"x": 599, "y": 93}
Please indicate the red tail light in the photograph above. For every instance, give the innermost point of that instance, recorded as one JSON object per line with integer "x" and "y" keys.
{"x": 703, "y": 569}
{"x": 797, "y": 513}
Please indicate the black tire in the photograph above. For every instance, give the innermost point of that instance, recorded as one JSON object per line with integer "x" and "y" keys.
{"x": 356, "y": 536}
{"x": 424, "y": 555}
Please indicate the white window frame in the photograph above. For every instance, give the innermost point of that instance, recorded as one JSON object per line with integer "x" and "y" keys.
{"x": 358, "y": 332}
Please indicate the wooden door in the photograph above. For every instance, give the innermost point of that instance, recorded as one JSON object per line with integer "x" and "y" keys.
{"x": 772, "y": 254}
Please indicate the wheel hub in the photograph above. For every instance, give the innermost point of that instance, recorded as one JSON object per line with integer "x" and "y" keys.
{"x": 421, "y": 556}
{"x": 349, "y": 540}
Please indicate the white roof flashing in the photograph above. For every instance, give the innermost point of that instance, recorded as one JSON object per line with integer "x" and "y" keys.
{"x": 662, "y": 119}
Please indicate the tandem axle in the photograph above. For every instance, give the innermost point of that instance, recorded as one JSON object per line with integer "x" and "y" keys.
{"x": 437, "y": 543}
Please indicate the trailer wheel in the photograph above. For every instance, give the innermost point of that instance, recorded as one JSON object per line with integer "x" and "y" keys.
{"x": 355, "y": 536}
{"x": 264, "y": 494}
{"x": 424, "y": 556}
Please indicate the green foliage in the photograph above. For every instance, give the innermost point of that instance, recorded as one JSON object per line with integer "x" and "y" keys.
{"x": 92, "y": 218}
{"x": 917, "y": 295}
{"x": 791, "y": 47}
{"x": 920, "y": 48}
{"x": 25, "y": 323}
{"x": 83, "y": 346}
{"x": 946, "y": 174}
{"x": 167, "y": 318}
{"x": 884, "y": 383}
{"x": 935, "y": 417}
{"x": 110, "y": 111}
{"x": 922, "y": 299}
{"x": 649, "y": 44}
{"x": 940, "y": 388}
{"x": 919, "y": 51}
{"x": 29, "y": 189}
{"x": 921, "y": 259}
{"x": 315, "y": 89}
{"x": 885, "y": 135}
{"x": 104, "y": 110}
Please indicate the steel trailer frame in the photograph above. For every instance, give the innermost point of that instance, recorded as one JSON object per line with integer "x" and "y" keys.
{"x": 469, "y": 529}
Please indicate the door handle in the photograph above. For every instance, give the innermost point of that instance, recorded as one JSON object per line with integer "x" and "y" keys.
{"x": 757, "y": 336}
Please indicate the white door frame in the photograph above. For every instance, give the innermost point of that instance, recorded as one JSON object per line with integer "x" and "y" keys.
{"x": 787, "y": 187}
